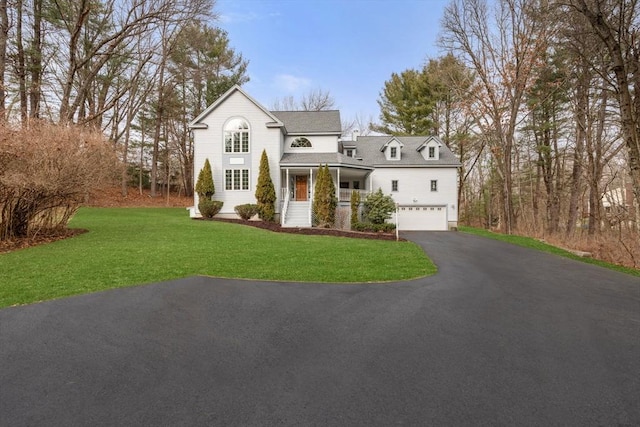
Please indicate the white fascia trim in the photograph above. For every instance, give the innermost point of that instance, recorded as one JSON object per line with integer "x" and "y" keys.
{"x": 195, "y": 122}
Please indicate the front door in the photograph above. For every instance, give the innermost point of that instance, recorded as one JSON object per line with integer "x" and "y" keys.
{"x": 301, "y": 188}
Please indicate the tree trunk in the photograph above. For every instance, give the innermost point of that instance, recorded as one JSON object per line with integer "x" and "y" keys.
{"x": 4, "y": 31}
{"x": 35, "y": 61}
{"x": 20, "y": 66}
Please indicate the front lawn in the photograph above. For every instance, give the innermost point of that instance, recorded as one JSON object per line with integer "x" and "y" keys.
{"x": 130, "y": 246}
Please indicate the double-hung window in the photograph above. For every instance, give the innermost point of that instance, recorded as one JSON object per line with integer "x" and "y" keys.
{"x": 394, "y": 185}
{"x": 236, "y": 136}
{"x": 432, "y": 152}
{"x": 236, "y": 179}
{"x": 394, "y": 153}
{"x": 434, "y": 185}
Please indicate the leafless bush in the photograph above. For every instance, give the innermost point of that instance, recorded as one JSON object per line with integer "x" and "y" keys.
{"x": 45, "y": 173}
{"x": 342, "y": 221}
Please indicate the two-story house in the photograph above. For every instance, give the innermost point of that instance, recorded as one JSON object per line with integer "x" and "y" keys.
{"x": 419, "y": 172}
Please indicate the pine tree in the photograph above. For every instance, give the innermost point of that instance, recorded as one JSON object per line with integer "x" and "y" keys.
{"x": 204, "y": 186}
{"x": 324, "y": 199}
{"x": 265, "y": 192}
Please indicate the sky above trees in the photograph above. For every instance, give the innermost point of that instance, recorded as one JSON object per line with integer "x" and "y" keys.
{"x": 349, "y": 48}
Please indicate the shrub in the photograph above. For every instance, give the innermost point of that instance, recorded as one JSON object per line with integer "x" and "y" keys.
{"x": 46, "y": 171}
{"x": 386, "y": 227}
{"x": 209, "y": 208}
{"x": 265, "y": 192}
{"x": 246, "y": 211}
{"x": 204, "y": 185}
{"x": 378, "y": 207}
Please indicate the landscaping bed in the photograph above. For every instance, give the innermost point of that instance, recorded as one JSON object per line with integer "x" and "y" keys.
{"x": 39, "y": 239}
{"x": 314, "y": 231}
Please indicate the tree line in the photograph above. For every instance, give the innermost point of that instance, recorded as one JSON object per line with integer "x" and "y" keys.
{"x": 136, "y": 71}
{"x": 541, "y": 102}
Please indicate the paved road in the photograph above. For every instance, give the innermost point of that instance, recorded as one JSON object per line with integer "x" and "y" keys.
{"x": 500, "y": 336}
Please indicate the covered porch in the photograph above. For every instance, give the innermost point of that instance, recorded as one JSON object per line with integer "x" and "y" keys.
{"x": 298, "y": 184}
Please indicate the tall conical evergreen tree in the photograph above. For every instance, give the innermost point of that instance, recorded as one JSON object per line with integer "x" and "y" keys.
{"x": 324, "y": 198}
{"x": 204, "y": 186}
{"x": 265, "y": 192}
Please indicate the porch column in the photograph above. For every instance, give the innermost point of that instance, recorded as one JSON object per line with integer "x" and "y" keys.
{"x": 338, "y": 183}
{"x": 311, "y": 196}
{"x": 370, "y": 183}
{"x": 288, "y": 189}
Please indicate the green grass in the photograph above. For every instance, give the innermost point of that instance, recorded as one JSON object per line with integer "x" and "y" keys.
{"x": 532, "y": 243}
{"x": 125, "y": 247}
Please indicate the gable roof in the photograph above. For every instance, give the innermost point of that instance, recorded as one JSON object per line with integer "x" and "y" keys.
{"x": 197, "y": 122}
{"x": 368, "y": 148}
{"x": 310, "y": 122}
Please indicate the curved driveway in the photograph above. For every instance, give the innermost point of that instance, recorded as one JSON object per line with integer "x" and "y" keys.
{"x": 502, "y": 335}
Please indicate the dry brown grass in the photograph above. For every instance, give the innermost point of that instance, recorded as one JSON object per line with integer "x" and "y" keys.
{"x": 621, "y": 248}
{"x": 111, "y": 197}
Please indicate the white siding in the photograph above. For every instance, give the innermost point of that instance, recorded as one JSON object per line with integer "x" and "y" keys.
{"x": 208, "y": 143}
{"x": 319, "y": 144}
{"x": 414, "y": 187}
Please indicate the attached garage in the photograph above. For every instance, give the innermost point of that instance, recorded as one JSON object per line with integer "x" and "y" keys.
{"x": 414, "y": 218}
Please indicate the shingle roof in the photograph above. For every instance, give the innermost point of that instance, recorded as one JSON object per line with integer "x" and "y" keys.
{"x": 368, "y": 148}
{"x": 315, "y": 159}
{"x": 310, "y": 122}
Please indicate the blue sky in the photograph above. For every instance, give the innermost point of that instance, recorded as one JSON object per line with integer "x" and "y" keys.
{"x": 346, "y": 47}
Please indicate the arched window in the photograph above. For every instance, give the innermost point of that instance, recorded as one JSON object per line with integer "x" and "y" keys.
{"x": 236, "y": 136}
{"x": 301, "y": 142}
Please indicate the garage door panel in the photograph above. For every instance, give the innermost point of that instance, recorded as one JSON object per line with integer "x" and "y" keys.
{"x": 422, "y": 218}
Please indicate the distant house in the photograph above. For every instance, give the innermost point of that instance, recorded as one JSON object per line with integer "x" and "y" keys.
{"x": 419, "y": 172}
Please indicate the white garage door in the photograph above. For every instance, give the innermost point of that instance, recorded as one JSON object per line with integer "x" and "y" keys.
{"x": 422, "y": 218}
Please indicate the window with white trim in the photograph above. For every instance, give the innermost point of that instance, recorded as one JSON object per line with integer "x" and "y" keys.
{"x": 434, "y": 185}
{"x": 236, "y": 136}
{"x": 236, "y": 179}
{"x": 393, "y": 153}
{"x": 394, "y": 185}
{"x": 432, "y": 152}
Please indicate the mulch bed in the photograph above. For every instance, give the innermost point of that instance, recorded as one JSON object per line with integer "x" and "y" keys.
{"x": 39, "y": 239}
{"x": 275, "y": 227}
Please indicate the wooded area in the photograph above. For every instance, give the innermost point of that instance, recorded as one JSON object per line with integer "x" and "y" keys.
{"x": 541, "y": 101}
{"x": 136, "y": 71}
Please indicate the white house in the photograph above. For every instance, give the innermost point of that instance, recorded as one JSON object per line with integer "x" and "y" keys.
{"x": 419, "y": 172}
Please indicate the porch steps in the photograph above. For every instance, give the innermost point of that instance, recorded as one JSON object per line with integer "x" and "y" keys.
{"x": 297, "y": 214}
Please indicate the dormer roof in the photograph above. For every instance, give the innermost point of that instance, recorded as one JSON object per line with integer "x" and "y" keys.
{"x": 428, "y": 141}
{"x": 391, "y": 140}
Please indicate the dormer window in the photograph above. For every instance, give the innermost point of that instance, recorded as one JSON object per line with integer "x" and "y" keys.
{"x": 392, "y": 149}
{"x": 430, "y": 148}
{"x": 350, "y": 152}
{"x": 301, "y": 142}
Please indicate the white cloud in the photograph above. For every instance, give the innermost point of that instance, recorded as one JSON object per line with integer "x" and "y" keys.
{"x": 289, "y": 83}
{"x": 242, "y": 17}
{"x": 235, "y": 17}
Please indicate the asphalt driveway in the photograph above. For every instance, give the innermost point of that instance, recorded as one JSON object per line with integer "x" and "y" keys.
{"x": 502, "y": 335}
